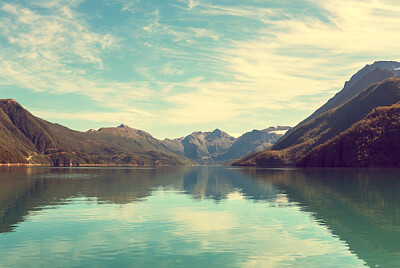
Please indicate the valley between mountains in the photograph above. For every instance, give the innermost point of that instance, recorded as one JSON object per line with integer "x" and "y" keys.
{"x": 358, "y": 127}
{"x": 26, "y": 139}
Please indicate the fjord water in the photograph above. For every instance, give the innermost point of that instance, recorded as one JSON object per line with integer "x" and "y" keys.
{"x": 199, "y": 217}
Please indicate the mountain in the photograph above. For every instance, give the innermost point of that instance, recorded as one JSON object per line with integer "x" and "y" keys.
{"x": 137, "y": 146}
{"x": 218, "y": 147}
{"x": 373, "y": 141}
{"x": 127, "y": 137}
{"x": 370, "y": 74}
{"x": 199, "y": 146}
{"x": 29, "y": 139}
{"x": 254, "y": 141}
{"x": 293, "y": 145}
{"x": 319, "y": 130}
{"x": 21, "y": 133}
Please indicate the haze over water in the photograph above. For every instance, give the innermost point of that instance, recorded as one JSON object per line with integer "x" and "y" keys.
{"x": 199, "y": 217}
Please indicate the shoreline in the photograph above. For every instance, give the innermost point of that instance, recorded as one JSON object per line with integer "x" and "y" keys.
{"x": 22, "y": 165}
{"x": 87, "y": 165}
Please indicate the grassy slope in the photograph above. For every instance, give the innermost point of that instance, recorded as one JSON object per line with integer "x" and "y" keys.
{"x": 373, "y": 141}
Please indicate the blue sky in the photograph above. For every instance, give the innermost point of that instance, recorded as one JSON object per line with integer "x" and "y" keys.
{"x": 174, "y": 67}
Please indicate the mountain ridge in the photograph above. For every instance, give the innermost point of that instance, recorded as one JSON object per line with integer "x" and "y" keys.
{"x": 217, "y": 147}
{"x": 304, "y": 138}
{"x": 368, "y": 75}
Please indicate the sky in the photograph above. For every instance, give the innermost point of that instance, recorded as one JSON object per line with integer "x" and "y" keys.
{"x": 178, "y": 66}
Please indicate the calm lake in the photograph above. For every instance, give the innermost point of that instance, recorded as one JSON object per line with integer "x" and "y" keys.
{"x": 199, "y": 217}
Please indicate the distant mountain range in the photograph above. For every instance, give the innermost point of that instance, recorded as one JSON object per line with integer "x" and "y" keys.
{"x": 25, "y": 139}
{"x": 218, "y": 147}
{"x": 346, "y": 131}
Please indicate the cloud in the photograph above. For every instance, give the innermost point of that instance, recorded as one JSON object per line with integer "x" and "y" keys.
{"x": 355, "y": 26}
{"x": 192, "y": 4}
{"x": 178, "y": 33}
{"x": 56, "y": 3}
{"x": 128, "y": 5}
{"x": 189, "y": 3}
{"x": 56, "y": 34}
{"x": 171, "y": 70}
{"x": 54, "y": 52}
{"x": 250, "y": 12}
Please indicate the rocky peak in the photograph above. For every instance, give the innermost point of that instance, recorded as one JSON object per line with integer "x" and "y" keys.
{"x": 388, "y": 65}
{"x": 8, "y": 101}
{"x": 277, "y": 128}
{"x": 392, "y": 66}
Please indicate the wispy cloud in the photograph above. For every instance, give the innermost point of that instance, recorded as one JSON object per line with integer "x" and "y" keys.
{"x": 54, "y": 52}
{"x": 192, "y": 4}
{"x": 250, "y": 12}
{"x": 297, "y": 57}
{"x": 128, "y": 5}
{"x": 353, "y": 27}
{"x": 172, "y": 70}
{"x": 58, "y": 36}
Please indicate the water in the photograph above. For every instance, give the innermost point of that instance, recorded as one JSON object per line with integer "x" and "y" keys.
{"x": 199, "y": 217}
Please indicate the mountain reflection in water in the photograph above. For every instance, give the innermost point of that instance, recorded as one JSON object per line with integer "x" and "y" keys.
{"x": 360, "y": 207}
